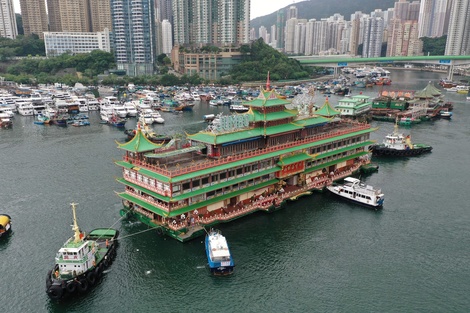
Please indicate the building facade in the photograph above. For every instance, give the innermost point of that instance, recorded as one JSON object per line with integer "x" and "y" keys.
{"x": 432, "y": 18}
{"x": 217, "y": 22}
{"x": 8, "y": 26}
{"x": 167, "y": 35}
{"x": 134, "y": 36}
{"x": 373, "y": 29}
{"x": 210, "y": 66}
{"x": 57, "y": 43}
{"x": 458, "y": 42}
{"x": 34, "y": 17}
{"x": 100, "y": 13}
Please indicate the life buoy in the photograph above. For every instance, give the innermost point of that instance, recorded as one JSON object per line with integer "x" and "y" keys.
{"x": 159, "y": 231}
{"x": 71, "y": 287}
{"x": 55, "y": 292}
{"x": 91, "y": 278}
{"x": 82, "y": 285}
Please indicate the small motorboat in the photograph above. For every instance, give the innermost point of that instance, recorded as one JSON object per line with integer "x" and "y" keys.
{"x": 445, "y": 114}
{"x": 218, "y": 254}
{"x": 5, "y": 225}
{"x": 355, "y": 190}
{"x": 81, "y": 261}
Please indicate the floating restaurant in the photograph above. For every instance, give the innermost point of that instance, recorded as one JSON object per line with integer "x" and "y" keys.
{"x": 241, "y": 164}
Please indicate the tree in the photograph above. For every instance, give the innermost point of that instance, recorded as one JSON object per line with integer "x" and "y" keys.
{"x": 434, "y": 46}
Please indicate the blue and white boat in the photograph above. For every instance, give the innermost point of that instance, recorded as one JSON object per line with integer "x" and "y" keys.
{"x": 218, "y": 254}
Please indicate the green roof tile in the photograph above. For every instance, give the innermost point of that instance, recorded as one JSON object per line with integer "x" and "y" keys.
{"x": 139, "y": 143}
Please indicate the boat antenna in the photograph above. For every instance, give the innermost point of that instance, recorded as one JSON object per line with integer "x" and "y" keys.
{"x": 75, "y": 227}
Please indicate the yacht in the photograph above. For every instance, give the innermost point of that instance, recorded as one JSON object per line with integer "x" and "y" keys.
{"x": 93, "y": 105}
{"x": 24, "y": 107}
{"x": 131, "y": 109}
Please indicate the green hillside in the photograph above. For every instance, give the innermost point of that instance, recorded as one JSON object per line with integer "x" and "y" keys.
{"x": 322, "y": 9}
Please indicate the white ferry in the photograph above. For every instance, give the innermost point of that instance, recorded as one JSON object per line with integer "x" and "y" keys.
{"x": 353, "y": 189}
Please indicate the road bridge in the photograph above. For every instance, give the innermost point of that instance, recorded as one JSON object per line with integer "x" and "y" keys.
{"x": 336, "y": 62}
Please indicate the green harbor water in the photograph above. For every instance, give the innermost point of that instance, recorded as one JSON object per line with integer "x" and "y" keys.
{"x": 318, "y": 254}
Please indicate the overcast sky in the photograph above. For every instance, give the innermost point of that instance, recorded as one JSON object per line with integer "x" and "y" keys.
{"x": 258, "y": 7}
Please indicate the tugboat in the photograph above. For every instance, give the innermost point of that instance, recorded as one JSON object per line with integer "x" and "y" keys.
{"x": 355, "y": 190}
{"x": 397, "y": 145}
{"x": 218, "y": 254}
{"x": 5, "y": 225}
{"x": 81, "y": 261}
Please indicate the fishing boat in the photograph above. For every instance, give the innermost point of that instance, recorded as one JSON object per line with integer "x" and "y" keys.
{"x": 5, "y": 225}
{"x": 80, "y": 262}
{"x": 41, "y": 119}
{"x": 398, "y": 145}
{"x": 218, "y": 254}
{"x": 355, "y": 190}
{"x": 117, "y": 121}
{"x": 79, "y": 123}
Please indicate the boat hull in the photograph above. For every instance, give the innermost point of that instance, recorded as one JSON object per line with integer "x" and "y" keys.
{"x": 57, "y": 288}
{"x": 380, "y": 150}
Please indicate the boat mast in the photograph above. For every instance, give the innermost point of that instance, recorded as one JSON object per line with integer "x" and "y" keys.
{"x": 75, "y": 227}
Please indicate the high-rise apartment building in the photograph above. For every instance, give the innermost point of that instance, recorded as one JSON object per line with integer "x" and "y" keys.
{"x": 432, "y": 18}
{"x": 292, "y": 12}
{"x": 181, "y": 18}
{"x": 355, "y": 34}
{"x": 34, "y": 17}
{"x": 134, "y": 35}
{"x": 100, "y": 13}
{"x": 53, "y": 12}
{"x": 403, "y": 31}
{"x": 233, "y": 20}
{"x": 164, "y": 10}
{"x": 372, "y": 36}
{"x": 8, "y": 27}
{"x": 79, "y": 15}
{"x": 403, "y": 39}
{"x": 458, "y": 42}
{"x": 167, "y": 35}
{"x": 74, "y": 15}
{"x": 202, "y": 21}
{"x": 280, "y": 25}
{"x": 218, "y": 22}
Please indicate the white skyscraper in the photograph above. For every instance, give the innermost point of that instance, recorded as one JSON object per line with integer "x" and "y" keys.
{"x": 299, "y": 37}
{"x": 432, "y": 18}
{"x": 458, "y": 42}
{"x": 8, "y": 27}
{"x": 134, "y": 36}
{"x": 167, "y": 35}
{"x": 263, "y": 33}
{"x": 372, "y": 36}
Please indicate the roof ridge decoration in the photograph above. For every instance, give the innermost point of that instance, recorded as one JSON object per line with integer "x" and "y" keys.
{"x": 327, "y": 110}
{"x": 140, "y": 143}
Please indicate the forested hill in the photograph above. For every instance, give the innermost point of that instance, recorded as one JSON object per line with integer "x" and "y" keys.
{"x": 319, "y": 9}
